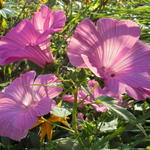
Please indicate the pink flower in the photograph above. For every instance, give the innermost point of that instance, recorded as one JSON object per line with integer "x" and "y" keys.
{"x": 125, "y": 104}
{"x": 24, "y": 101}
{"x": 29, "y": 39}
{"x": 84, "y": 98}
{"x": 80, "y": 116}
{"x": 112, "y": 50}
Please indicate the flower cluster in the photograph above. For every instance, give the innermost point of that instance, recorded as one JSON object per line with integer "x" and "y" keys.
{"x": 30, "y": 38}
{"x": 25, "y": 99}
{"x": 111, "y": 49}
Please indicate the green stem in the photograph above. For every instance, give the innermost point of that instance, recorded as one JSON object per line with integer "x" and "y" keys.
{"x": 74, "y": 113}
{"x": 74, "y": 119}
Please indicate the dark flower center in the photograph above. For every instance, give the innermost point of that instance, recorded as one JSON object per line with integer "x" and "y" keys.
{"x": 108, "y": 72}
{"x": 112, "y": 75}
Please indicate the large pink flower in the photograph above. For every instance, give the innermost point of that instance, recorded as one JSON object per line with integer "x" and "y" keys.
{"x": 84, "y": 98}
{"x": 112, "y": 50}
{"x": 24, "y": 101}
{"x": 29, "y": 39}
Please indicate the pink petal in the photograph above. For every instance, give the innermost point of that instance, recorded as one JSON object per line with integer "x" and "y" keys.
{"x": 22, "y": 34}
{"x": 25, "y": 120}
{"x": 80, "y": 116}
{"x": 44, "y": 106}
{"x": 46, "y": 21}
{"x": 113, "y": 88}
{"x": 68, "y": 98}
{"x": 138, "y": 93}
{"x": 10, "y": 52}
{"x": 116, "y": 35}
{"x": 85, "y": 39}
{"x": 140, "y": 57}
{"x": 100, "y": 107}
{"x": 45, "y": 91}
{"x": 38, "y": 55}
{"x": 135, "y": 79}
{"x": 92, "y": 84}
{"x": 96, "y": 90}
{"x": 29, "y": 117}
{"x": 91, "y": 64}
{"x": 137, "y": 59}
{"x": 9, "y": 113}
{"x": 20, "y": 89}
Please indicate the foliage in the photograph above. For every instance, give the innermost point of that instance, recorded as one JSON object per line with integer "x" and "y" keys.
{"x": 118, "y": 128}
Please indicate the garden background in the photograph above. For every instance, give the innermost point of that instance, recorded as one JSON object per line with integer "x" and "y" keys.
{"x": 121, "y": 128}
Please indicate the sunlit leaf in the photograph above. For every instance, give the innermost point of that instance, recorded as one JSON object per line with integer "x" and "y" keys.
{"x": 120, "y": 111}
{"x": 60, "y": 112}
{"x": 108, "y": 126}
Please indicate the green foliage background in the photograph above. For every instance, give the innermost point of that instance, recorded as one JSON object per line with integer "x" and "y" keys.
{"x": 116, "y": 129}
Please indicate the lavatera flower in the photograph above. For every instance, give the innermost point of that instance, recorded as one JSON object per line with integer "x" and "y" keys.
{"x": 24, "y": 101}
{"x": 29, "y": 39}
{"x": 111, "y": 49}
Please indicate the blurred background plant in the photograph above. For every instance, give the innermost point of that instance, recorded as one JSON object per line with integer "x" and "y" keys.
{"x": 117, "y": 128}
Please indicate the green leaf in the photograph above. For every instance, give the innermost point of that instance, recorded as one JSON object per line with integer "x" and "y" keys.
{"x": 120, "y": 111}
{"x": 108, "y": 126}
{"x": 8, "y": 11}
{"x": 4, "y": 84}
{"x": 68, "y": 144}
{"x": 148, "y": 147}
{"x": 2, "y": 12}
{"x": 60, "y": 112}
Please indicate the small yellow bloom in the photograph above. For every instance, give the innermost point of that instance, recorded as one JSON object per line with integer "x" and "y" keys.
{"x": 46, "y": 128}
{"x": 44, "y": 1}
{"x": 1, "y": 3}
{"x": 86, "y": 1}
{"x": 3, "y": 24}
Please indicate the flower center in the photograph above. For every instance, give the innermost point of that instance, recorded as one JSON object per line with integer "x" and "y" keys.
{"x": 112, "y": 75}
{"x": 108, "y": 72}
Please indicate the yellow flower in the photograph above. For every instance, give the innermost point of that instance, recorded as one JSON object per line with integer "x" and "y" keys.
{"x": 3, "y": 24}
{"x": 44, "y": 1}
{"x": 86, "y": 1}
{"x": 1, "y": 3}
{"x": 46, "y": 128}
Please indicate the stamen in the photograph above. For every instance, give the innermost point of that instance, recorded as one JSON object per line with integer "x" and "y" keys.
{"x": 112, "y": 75}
